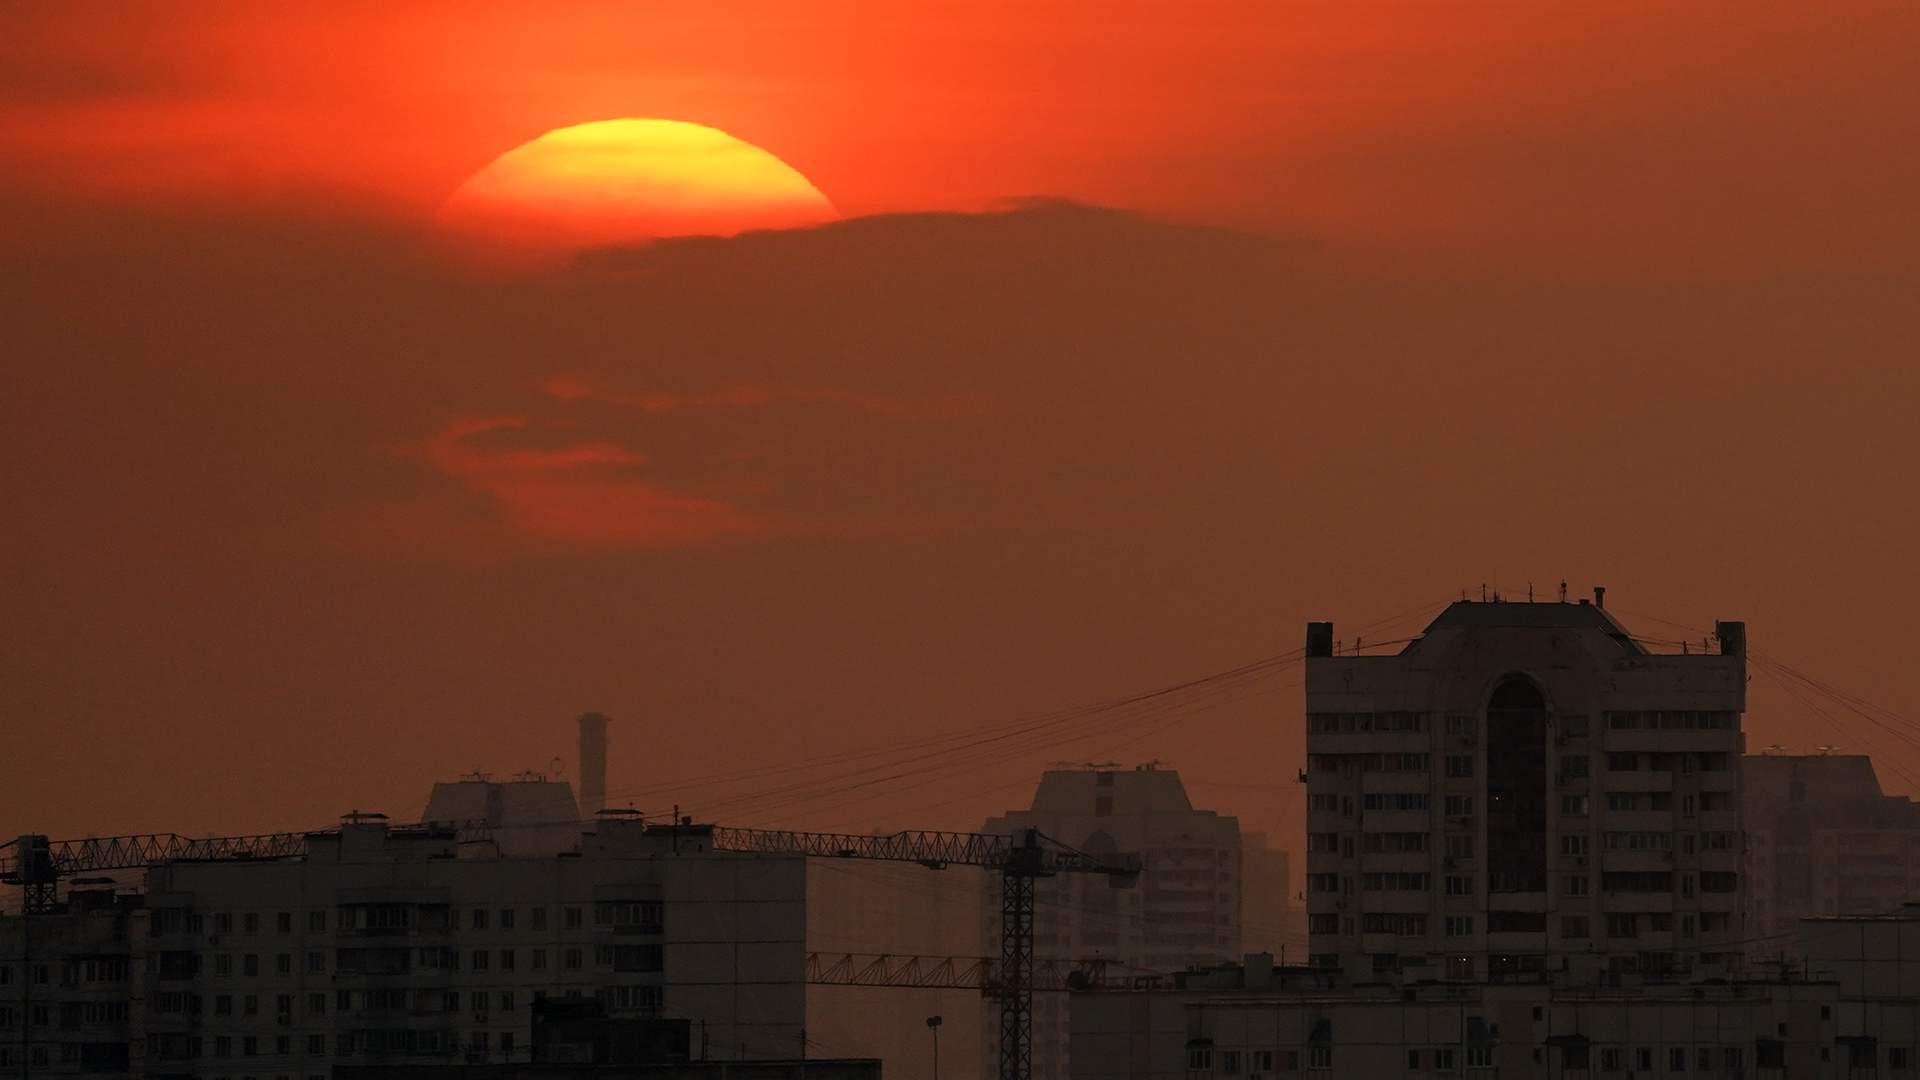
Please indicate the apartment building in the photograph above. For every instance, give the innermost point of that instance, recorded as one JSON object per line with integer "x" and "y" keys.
{"x": 1523, "y": 789}
{"x": 1253, "y": 1020}
{"x": 66, "y": 987}
{"x": 1185, "y": 910}
{"x": 1823, "y": 838}
{"x": 388, "y": 945}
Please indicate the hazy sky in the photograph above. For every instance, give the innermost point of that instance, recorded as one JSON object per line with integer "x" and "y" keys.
{"x": 1149, "y": 336}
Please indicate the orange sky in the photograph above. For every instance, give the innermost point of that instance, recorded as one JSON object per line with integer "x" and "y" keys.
{"x": 1298, "y": 311}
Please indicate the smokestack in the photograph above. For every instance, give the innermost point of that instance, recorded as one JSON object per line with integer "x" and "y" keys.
{"x": 593, "y": 764}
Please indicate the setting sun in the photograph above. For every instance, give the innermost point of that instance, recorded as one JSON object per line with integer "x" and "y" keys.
{"x": 627, "y": 181}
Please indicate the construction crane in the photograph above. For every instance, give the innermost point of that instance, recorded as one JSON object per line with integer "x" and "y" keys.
{"x": 1022, "y": 859}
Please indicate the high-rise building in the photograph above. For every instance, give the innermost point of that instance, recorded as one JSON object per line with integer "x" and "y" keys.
{"x": 1184, "y": 911}
{"x": 1823, "y": 839}
{"x": 1523, "y": 788}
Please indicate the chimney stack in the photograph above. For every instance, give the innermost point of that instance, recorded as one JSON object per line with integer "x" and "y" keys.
{"x": 593, "y": 764}
{"x": 1600, "y": 596}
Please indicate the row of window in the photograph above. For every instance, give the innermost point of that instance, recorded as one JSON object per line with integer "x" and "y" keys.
{"x": 1360, "y": 722}
{"x": 1202, "y": 1060}
{"x": 1673, "y": 720}
{"x": 645, "y": 915}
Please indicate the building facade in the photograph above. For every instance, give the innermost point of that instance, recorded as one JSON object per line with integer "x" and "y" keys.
{"x": 411, "y": 945}
{"x": 1185, "y": 909}
{"x": 1521, "y": 789}
{"x": 1255, "y": 1020}
{"x": 1823, "y": 839}
{"x": 66, "y": 987}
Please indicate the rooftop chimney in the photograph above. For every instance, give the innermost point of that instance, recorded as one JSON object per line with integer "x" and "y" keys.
{"x": 593, "y": 764}
{"x": 1599, "y": 596}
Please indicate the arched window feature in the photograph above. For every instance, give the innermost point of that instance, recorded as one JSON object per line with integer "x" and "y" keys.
{"x": 1516, "y": 787}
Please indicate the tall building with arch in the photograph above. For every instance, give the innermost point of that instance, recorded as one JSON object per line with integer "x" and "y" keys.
{"x": 1525, "y": 792}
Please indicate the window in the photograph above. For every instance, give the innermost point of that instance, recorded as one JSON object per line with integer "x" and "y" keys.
{"x": 317, "y": 1045}
{"x": 1461, "y": 725}
{"x": 1719, "y": 881}
{"x": 1479, "y": 1057}
{"x": 283, "y": 963}
{"x": 1574, "y": 805}
{"x": 1323, "y": 843}
{"x": 1230, "y": 1062}
{"x": 1323, "y": 923}
{"x": 479, "y": 960}
{"x": 1643, "y": 1059}
{"x": 222, "y": 1005}
{"x": 1199, "y": 1059}
{"x": 1612, "y": 1059}
{"x": 283, "y": 922}
{"x": 506, "y": 1042}
{"x": 572, "y": 919}
{"x": 1573, "y": 766}
{"x": 316, "y": 963}
{"x": 479, "y": 918}
{"x": 1459, "y": 806}
{"x": 1323, "y": 804}
{"x": 1676, "y": 1059}
{"x": 250, "y": 1005}
{"x": 1623, "y": 925}
{"x": 539, "y": 918}
{"x": 1459, "y": 766}
{"x": 1573, "y": 926}
{"x": 317, "y": 1003}
{"x": 539, "y": 957}
{"x": 1459, "y": 926}
{"x": 506, "y": 959}
{"x": 283, "y": 1045}
{"x": 250, "y": 922}
{"x": 222, "y": 964}
{"x": 1260, "y": 1061}
{"x": 283, "y": 1005}
{"x": 1459, "y": 885}
{"x": 1619, "y": 761}
{"x": 1459, "y": 967}
{"x": 317, "y": 922}
{"x": 1413, "y": 1061}
{"x": 223, "y": 922}
{"x": 1573, "y": 845}
{"x": 1443, "y": 1059}
{"x": 1460, "y": 846}
{"x": 1897, "y": 1057}
{"x": 1575, "y": 885}
{"x": 250, "y": 1045}
{"x": 573, "y": 959}
{"x": 250, "y": 964}
{"x": 223, "y": 1046}
{"x": 1319, "y": 1057}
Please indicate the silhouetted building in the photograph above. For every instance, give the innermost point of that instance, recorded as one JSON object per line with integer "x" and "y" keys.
{"x": 393, "y": 946}
{"x": 1185, "y": 910}
{"x": 525, "y": 815}
{"x": 1523, "y": 789}
{"x": 1255, "y": 1020}
{"x": 1271, "y": 919}
{"x": 1823, "y": 839}
{"x": 66, "y": 982}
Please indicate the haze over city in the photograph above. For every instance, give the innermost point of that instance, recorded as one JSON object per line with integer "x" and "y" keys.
{"x": 876, "y": 408}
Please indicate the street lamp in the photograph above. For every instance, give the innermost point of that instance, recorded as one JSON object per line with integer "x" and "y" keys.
{"x": 933, "y": 1025}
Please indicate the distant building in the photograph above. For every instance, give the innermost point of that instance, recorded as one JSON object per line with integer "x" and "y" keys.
{"x": 66, "y": 987}
{"x": 1271, "y": 918}
{"x": 1824, "y": 839}
{"x": 1185, "y": 910}
{"x": 524, "y": 816}
{"x": 1523, "y": 788}
{"x": 1253, "y": 1019}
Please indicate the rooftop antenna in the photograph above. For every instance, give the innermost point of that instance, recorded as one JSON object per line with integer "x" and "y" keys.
{"x": 1483, "y": 592}
{"x": 1563, "y": 592}
{"x": 1529, "y": 592}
